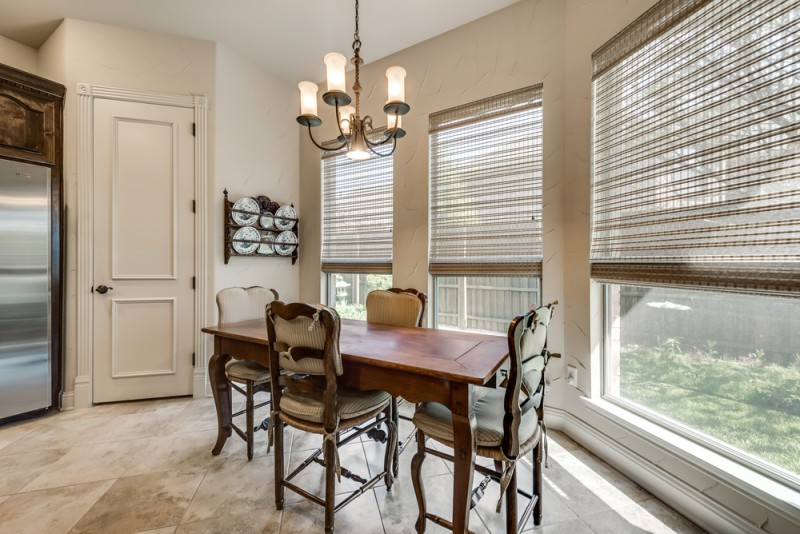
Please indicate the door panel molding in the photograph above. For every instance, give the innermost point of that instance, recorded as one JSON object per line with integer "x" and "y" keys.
{"x": 115, "y": 179}
{"x": 115, "y": 349}
{"x": 87, "y": 94}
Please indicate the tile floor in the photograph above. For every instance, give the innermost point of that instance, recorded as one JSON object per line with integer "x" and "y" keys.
{"x": 147, "y": 467}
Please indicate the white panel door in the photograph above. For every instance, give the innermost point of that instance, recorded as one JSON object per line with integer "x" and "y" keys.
{"x": 143, "y": 323}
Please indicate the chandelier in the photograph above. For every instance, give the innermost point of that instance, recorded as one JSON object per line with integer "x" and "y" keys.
{"x": 354, "y": 131}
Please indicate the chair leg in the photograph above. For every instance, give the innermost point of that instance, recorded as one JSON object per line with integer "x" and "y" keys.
{"x": 330, "y": 483}
{"x": 416, "y": 478}
{"x": 537, "y": 483}
{"x": 390, "y": 460}
{"x": 279, "y": 462}
{"x": 396, "y": 420}
{"x": 511, "y": 504}
{"x": 249, "y": 414}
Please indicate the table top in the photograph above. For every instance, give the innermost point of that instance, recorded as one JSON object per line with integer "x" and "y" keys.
{"x": 463, "y": 356}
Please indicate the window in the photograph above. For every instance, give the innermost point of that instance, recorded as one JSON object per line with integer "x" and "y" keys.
{"x": 696, "y": 223}
{"x": 356, "y": 228}
{"x": 485, "y": 210}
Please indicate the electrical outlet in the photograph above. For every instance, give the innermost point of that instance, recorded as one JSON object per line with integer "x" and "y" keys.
{"x": 572, "y": 375}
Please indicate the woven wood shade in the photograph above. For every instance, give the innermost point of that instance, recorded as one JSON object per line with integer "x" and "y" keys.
{"x": 357, "y": 213}
{"x": 696, "y": 147}
{"x": 486, "y": 186}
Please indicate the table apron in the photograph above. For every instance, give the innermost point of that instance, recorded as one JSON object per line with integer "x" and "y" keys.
{"x": 242, "y": 350}
{"x": 411, "y": 386}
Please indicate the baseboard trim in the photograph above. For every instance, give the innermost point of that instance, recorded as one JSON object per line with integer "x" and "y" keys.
{"x": 82, "y": 394}
{"x": 67, "y": 401}
{"x": 199, "y": 388}
{"x": 687, "y": 500}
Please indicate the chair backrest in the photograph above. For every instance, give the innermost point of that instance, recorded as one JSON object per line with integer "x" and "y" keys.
{"x": 528, "y": 358}
{"x": 236, "y": 304}
{"x": 304, "y": 338}
{"x": 396, "y": 307}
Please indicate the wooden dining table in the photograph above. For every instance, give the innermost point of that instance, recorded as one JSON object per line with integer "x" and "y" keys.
{"x": 418, "y": 364}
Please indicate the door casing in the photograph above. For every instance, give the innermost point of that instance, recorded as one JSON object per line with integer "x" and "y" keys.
{"x": 87, "y": 93}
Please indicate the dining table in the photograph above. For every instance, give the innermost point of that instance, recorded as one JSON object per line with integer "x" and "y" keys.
{"x": 417, "y": 364}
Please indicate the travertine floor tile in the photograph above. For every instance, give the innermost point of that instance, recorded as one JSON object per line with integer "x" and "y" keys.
{"x": 17, "y": 470}
{"x": 143, "y": 502}
{"x": 233, "y": 487}
{"x": 51, "y": 511}
{"x": 88, "y": 463}
{"x": 266, "y": 521}
{"x": 59, "y": 474}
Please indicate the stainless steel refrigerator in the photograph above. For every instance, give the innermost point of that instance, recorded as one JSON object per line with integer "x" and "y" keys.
{"x": 25, "y": 293}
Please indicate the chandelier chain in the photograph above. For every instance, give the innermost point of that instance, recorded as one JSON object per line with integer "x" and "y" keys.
{"x": 357, "y": 62}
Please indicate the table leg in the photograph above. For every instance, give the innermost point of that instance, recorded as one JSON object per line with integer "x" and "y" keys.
{"x": 222, "y": 395}
{"x": 464, "y": 434}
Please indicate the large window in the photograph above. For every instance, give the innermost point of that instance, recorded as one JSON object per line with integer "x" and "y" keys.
{"x": 696, "y": 222}
{"x": 356, "y": 228}
{"x": 485, "y": 210}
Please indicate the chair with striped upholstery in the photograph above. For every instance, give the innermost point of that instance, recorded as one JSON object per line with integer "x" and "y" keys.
{"x": 509, "y": 424}
{"x": 396, "y": 307}
{"x": 237, "y": 304}
{"x": 304, "y": 365}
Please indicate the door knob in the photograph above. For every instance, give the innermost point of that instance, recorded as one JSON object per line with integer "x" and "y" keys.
{"x": 103, "y": 289}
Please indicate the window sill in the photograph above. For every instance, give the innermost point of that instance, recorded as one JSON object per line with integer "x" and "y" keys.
{"x": 772, "y": 493}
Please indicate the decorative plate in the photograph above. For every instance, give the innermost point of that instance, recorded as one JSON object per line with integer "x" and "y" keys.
{"x": 285, "y": 218}
{"x": 248, "y": 205}
{"x": 246, "y": 240}
{"x": 266, "y": 246}
{"x": 266, "y": 220}
{"x": 285, "y": 243}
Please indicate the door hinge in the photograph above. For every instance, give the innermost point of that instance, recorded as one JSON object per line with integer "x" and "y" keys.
{"x": 194, "y": 129}
{"x": 193, "y": 361}
{"x": 194, "y": 206}
{"x": 194, "y": 282}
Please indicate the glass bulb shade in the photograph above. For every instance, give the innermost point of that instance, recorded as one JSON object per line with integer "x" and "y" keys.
{"x": 344, "y": 118}
{"x": 335, "y": 63}
{"x": 394, "y": 121}
{"x": 358, "y": 148}
{"x": 308, "y": 98}
{"x": 397, "y": 89}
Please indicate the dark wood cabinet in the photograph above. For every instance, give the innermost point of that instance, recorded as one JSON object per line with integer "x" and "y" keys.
{"x": 31, "y": 131}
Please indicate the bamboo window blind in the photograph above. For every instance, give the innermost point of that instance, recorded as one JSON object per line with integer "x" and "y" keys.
{"x": 357, "y": 213}
{"x": 486, "y": 186}
{"x": 696, "y": 147}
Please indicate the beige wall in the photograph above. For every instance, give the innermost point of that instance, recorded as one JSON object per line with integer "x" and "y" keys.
{"x": 549, "y": 42}
{"x": 18, "y": 55}
{"x": 252, "y": 143}
{"x": 255, "y": 154}
{"x": 516, "y": 47}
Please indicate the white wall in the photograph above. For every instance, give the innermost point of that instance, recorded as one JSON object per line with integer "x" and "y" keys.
{"x": 18, "y": 55}
{"x": 255, "y": 154}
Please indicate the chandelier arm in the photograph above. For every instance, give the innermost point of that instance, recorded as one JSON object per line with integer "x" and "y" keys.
{"x": 394, "y": 146}
{"x": 331, "y": 149}
{"x": 380, "y": 143}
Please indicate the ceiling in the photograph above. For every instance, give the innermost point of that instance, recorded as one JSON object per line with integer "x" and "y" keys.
{"x": 286, "y": 38}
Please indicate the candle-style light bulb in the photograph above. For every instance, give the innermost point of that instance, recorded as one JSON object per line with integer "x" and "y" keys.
{"x": 344, "y": 118}
{"x": 396, "y": 80}
{"x": 335, "y": 63}
{"x": 308, "y": 98}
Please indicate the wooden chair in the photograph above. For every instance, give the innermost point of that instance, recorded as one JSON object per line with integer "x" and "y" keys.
{"x": 396, "y": 307}
{"x": 304, "y": 340}
{"x": 236, "y": 304}
{"x": 509, "y": 424}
